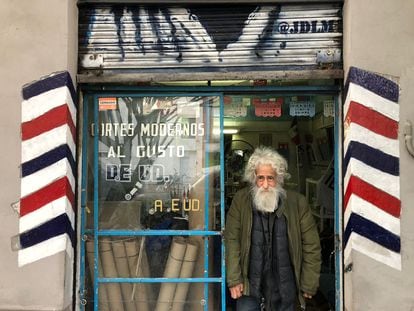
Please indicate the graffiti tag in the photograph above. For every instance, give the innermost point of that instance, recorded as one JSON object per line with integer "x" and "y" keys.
{"x": 306, "y": 26}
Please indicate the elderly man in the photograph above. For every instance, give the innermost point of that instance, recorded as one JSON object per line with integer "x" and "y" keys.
{"x": 273, "y": 253}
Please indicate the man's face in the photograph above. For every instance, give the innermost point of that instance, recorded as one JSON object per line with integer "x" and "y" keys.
{"x": 265, "y": 177}
{"x": 266, "y": 192}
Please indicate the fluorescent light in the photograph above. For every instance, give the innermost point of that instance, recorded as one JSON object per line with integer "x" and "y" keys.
{"x": 230, "y": 131}
{"x": 216, "y": 131}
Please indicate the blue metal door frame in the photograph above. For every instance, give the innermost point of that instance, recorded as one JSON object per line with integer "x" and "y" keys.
{"x": 95, "y": 91}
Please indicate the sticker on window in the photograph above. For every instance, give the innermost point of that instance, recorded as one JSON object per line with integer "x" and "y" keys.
{"x": 302, "y": 109}
{"x": 107, "y": 103}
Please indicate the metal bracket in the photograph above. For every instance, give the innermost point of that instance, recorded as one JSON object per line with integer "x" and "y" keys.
{"x": 328, "y": 56}
{"x": 92, "y": 60}
{"x": 408, "y": 137}
{"x": 16, "y": 207}
{"x": 349, "y": 267}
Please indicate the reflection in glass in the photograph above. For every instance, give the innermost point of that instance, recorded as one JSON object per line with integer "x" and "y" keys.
{"x": 158, "y": 162}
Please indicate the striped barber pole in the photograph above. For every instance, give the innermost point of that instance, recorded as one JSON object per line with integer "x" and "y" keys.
{"x": 47, "y": 203}
{"x": 372, "y": 171}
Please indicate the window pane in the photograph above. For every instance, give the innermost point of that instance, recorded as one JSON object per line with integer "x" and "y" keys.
{"x": 158, "y": 160}
{"x": 145, "y": 299}
{"x": 151, "y": 257}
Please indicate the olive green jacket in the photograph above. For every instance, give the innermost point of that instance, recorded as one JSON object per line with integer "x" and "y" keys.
{"x": 304, "y": 244}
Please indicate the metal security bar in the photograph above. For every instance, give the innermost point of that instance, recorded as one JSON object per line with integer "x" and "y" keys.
{"x": 180, "y": 38}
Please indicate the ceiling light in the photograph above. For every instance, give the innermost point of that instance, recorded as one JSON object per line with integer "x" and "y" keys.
{"x": 230, "y": 131}
{"x": 216, "y": 131}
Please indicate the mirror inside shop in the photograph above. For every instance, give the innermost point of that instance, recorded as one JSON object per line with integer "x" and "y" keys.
{"x": 162, "y": 160}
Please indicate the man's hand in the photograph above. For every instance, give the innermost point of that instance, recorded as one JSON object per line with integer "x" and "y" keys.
{"x": 236, "y": 291}
{"x": 307, "y": 296}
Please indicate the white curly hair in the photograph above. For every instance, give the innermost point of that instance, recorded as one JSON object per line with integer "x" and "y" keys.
{"x": 266, "y": 156}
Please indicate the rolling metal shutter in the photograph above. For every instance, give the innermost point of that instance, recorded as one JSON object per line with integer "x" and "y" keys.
{"x": 223, "y": 37}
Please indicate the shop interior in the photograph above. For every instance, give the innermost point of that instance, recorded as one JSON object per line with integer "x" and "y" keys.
{"x": 300, "y": 128}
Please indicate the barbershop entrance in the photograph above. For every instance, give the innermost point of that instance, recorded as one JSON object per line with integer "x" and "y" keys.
{"x": 301, "y": 127}
{"x": 160, "y": 166}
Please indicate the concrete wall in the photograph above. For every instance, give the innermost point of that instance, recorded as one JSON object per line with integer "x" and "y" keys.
{"x": 38, "y": 37}
{"x": 379, "y": 37}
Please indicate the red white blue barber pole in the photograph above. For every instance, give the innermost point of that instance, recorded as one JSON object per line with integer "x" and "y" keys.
{"x": 371, "y": 168}
{"x": 47, "y": 203}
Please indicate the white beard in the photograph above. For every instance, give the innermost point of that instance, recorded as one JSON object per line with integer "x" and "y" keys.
{"x": 267, "y": 201}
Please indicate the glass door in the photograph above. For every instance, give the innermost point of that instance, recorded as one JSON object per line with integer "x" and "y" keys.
{"x": 152, "y": 202}
{"x": 301, "y": 127}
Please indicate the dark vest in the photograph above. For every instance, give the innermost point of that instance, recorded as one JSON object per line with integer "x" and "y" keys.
{"x": 271, "y": 274}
